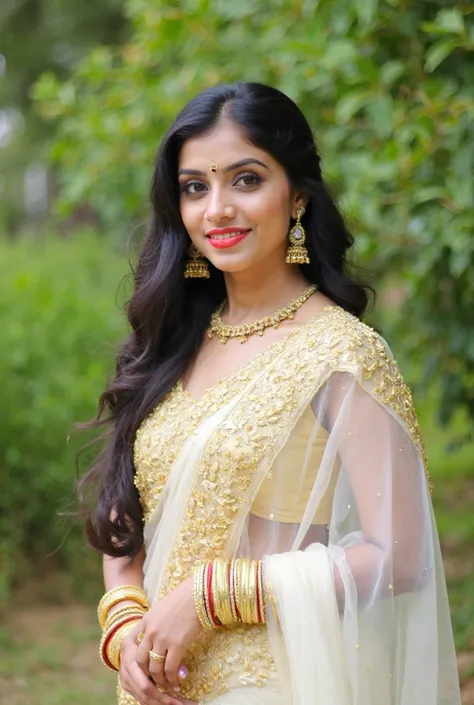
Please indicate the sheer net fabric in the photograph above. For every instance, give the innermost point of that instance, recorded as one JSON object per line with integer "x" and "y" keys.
{"x": 309, "y": 457}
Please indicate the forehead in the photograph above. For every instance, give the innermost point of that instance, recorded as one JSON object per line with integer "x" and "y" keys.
{"x": 224, "y": 144}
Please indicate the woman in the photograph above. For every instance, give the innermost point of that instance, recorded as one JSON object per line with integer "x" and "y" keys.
{"x": 264, "y": 510}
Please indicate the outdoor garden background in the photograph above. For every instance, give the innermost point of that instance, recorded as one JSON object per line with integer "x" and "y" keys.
{"x": 86, "y": 91}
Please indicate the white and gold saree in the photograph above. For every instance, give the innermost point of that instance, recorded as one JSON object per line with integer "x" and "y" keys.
{"x": 309, "y": 456}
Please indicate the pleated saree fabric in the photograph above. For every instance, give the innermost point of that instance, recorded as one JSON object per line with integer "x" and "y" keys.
{"x": 310, "y": 457}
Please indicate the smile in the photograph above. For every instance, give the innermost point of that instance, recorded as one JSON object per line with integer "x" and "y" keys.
{"x": 227, "y": 238}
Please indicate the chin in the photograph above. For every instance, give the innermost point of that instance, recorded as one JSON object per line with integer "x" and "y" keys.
{"x": 235, "y": 262}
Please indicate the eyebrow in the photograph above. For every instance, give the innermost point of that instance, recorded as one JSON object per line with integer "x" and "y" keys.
{"x": 231, "y": 167}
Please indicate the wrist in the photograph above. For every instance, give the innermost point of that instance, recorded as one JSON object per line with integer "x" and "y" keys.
{"x": 229, "y": 592}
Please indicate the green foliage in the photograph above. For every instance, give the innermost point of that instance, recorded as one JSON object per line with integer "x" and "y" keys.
{"x": 38, "y": 36}
{"x": 388, "y": 87}
{"x": 59, "y": 329}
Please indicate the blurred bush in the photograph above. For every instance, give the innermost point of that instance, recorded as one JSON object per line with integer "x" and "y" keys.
{"x": 386, "y": 84}
{"x": 59, "y": 329}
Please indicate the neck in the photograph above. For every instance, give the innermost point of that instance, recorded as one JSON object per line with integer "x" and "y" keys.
{"x": 255, "y": 293}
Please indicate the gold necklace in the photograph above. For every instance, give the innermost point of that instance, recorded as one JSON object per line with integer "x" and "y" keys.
{"x": 243, "y": 331}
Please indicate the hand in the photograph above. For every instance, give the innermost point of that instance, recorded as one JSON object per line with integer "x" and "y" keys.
{"x": 168, "y": 629}
{"x": 135, "y": 682}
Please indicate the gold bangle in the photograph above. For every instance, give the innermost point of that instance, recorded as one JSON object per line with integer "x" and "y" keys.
{"x": 232, "y": 591}
{"x": 206, "y": 596}
{"x": 117, "y": 614}
{"x": 247, "y": 587}
{"x": 261, "y": 601}
{"x": 199, "y": 596}
{"x": 118, "y": 594}
{"x": 221, "y": 592}
{"x": 113, "y": 649}
{"x": 132, "y": 611}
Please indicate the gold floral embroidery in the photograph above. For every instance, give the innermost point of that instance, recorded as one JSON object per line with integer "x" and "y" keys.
{"x": 335, "y": 341}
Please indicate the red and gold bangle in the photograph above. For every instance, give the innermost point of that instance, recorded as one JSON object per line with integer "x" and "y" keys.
{"x": 107, "y": 636}
{"x": 231, "y": 581}
{"x": 115, "y": 642}
{"x": 210, "y": 595}
{"x": 229, "y": 592}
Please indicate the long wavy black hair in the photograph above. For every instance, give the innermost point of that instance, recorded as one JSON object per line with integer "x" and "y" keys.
{"x": 168, "y": 314}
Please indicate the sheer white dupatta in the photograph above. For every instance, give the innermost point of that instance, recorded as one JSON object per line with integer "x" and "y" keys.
{"x": 363, "y": 620}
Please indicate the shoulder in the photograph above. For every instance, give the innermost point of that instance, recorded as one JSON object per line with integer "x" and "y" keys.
{"x": 349, "y": 342}
{"x": 351, "y": 346}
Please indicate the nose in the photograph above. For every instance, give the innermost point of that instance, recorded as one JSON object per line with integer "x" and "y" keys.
{"x": 218, "y": 207}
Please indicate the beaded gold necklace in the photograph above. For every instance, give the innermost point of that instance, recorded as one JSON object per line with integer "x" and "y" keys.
{"x": 224, "y": 332}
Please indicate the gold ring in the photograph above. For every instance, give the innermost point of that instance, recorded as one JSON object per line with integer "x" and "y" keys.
{"x": 157, "y": 658}
{"x": 139, "y": 639}
{"x": 162, "y": 690}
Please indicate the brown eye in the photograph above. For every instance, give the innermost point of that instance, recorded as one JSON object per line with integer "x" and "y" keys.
{"x": 192, "y": 187}
{"x": 248, "y": 179}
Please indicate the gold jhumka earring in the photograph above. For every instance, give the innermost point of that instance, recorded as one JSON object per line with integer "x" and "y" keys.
{"x": 297, "y": 252}
{"x": 196, "y": 267}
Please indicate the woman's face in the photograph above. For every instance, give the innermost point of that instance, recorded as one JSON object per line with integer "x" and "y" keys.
{"x": 246, "y": 191}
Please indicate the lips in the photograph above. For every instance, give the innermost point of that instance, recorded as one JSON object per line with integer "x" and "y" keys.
{"x": 221, "y": 232}
{"x": 226, "y": 237}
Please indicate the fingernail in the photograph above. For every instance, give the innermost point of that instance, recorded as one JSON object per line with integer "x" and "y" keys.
{"x": 183, "y": 672}
{"x": 177, "y": 688}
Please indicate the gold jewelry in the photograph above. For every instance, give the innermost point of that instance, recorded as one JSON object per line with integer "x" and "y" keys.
{"x": 118, "y": 614}
{"x": 112, "y": 638}
{"x": 139, "y": 639}
{"x": 224, "y": 331}
{"x": 196, "y": 267}
{"x": 213, "y": 167}
{"x": 297, "y": 252}
{"x": 113, "y": 649}
{"x": 157, "y": 658}
{"x": 119, "y": 594}
{"x": 261, "y": 600}
{"x": 199, "y": 596}
{"x": 221, "y": 593}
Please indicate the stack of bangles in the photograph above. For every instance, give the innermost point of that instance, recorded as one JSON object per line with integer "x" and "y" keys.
{"x": 117, "y": 623}
{"x": 229, "y": 592}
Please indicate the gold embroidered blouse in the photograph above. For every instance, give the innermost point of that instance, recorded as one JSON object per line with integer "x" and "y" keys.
{"x": 336, "y": 340}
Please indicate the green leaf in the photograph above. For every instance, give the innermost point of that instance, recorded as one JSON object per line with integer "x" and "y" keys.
{"x": 430, "y": 193}
{"x": 382, "y": 114}
{"x": 451, "y": 20}
{"x": 391, "y": 71}
{"x": 438, "y": 52}
{"x": 366, "y": 10}
{"x": 349, "y": 105}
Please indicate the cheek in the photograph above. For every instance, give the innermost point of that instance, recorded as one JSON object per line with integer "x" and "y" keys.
{"x": 272, "y": 209}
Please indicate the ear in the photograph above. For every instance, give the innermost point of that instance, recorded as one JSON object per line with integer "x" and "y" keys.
{"x": 299, "y": 200}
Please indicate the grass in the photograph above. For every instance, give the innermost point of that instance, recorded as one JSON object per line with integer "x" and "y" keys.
{"x": 49, "y": 656}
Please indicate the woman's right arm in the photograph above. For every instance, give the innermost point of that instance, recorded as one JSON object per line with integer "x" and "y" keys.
{"x": 123, "y": 571}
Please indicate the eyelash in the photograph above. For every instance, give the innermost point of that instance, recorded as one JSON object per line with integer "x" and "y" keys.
{"x": 257, "y": 180}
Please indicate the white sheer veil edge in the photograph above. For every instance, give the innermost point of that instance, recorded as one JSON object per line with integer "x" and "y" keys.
{"x": 364, "y": 620}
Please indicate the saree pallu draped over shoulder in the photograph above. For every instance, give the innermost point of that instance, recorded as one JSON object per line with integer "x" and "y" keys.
{"x": 310, "y": 457}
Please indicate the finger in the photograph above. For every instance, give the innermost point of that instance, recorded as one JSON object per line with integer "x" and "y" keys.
{"x": 144, "y": 690}
{"x": 171, "y": 667}
{"x": 157, "y": 666}
{"x": 142, "y": 654}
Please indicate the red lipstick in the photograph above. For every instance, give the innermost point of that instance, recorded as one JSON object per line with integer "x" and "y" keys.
{"x": 226, "y": 237}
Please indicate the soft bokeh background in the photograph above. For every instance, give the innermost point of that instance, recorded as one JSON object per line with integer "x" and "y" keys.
{"x": 86, "y": 91}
